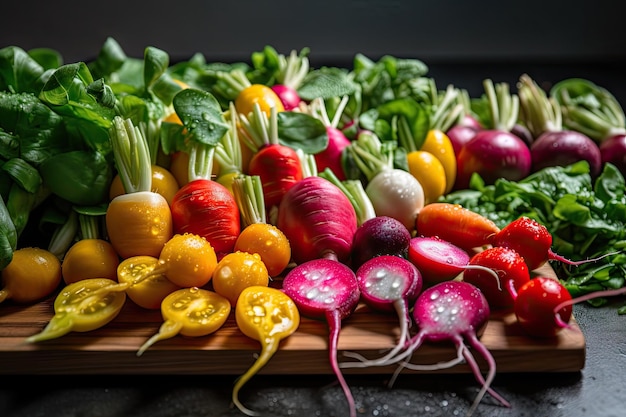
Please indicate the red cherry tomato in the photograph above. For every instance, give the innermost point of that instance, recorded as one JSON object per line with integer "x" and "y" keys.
{"x": 535, "y": 303}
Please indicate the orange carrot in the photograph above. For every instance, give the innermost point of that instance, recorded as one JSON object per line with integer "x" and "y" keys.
{"x": 455, "y": 224}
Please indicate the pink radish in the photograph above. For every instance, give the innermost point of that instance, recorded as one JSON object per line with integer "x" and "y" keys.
{"x": 388, "y": 283}
{"x": 318, "y": 220}
{"x": 380, "y": 235}
{"x": 325, "y": 289}
{"x": 332, "y": 156}
{"x": 454, "y": 311}
{"x": 439, "y": 260}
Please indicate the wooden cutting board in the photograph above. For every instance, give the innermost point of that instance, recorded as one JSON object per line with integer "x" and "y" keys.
{"x": 112, "y": 349}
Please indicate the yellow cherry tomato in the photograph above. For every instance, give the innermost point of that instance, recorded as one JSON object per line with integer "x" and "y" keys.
{"x": 269, "y": 242}
{"x": 257, "y": 93}
{"x": 147, "y": 293}
{"x": 439, "y": 144}
{"x": 237, "y": 271}
{"x": 190, "y": 312}
{"x": 429, "y": 171}
{"x": 90, "y": 258}
{"x": 32, "y": 274}
{"x": 267, "y": 315}
{"x": 83, "y": 306}
{"x": 163, "y": 182}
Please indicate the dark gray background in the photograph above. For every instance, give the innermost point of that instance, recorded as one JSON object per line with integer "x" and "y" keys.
{"x": 472, "y": 39}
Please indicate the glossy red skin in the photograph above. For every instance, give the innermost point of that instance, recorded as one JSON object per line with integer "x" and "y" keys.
{"x": 208, "y": 209}
{"x": 613, "y": 150}
{"x": 535, "y": 303}
{"x": 529, "y": 238}
{"x": 493, "y": 154}
{"x": 331, "y": 156}
{"x": 380, "y": 235}
{"x": 438, "y": 260}
{"x": 461, "y": 134}
{"x": 512, "y": 272}
{"x": 318, "y": 220}
{"x": 287, "y": 95}
{"x": 279, "y": 168}
{"x": 565, "y": 147}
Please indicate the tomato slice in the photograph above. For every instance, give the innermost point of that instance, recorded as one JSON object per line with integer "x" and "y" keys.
{"x": 190, "y": 312}
{"x": 149, "y": 292}
{"x": 84, "y": 306}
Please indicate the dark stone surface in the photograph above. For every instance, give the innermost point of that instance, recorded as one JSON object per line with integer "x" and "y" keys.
{"x": 597, "y": 391}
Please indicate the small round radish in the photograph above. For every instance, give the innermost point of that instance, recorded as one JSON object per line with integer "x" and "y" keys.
{"x": 380, "y": 235}
{"x": 439, "y": 260}
{"x": 455, "y": 311}
{"x": 565, "y": 147}
{"x": 459, "y": 135}
{"x": 325, "y": 289}
{"x": 535, "y": 307}
{"x": 512, "y": 273}
{"x": 287, "y": 95}
{"x": 388, "y": 283}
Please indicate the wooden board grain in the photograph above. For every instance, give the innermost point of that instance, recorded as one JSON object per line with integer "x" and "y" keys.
{"x": 112, "y": 349}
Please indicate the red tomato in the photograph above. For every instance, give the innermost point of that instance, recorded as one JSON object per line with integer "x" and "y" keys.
{"x": 535, "y": 304}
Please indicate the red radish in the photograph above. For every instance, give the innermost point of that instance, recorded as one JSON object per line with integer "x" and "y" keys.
{"x": 533, "y": 242}
{"x": 613, "y": 150}
{"x": 380, "y": 235}
{"x": 439, "y": 260}
{"x": 495, "y": 152}
{"x": 325, "y": 289}
{"x": 512, "y": 273}
{"x": 332, "y": 156}
{"x": 459, "y": 135}
{"x": 388, "y": 283}
{"x": 454, "y": 311}
{"x": 535, "y": 307}
{"x": 553, "y": 145}
{"x": 278, "y": 165}
{"x": 318, "y": 220}
{"x": 206, "y": 208}
{"x": 456, "y": 224}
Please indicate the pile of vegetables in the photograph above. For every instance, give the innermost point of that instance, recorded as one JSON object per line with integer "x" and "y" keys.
{"x": 272, "y": 190}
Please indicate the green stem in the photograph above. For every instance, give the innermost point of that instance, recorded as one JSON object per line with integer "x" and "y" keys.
{"x": 228, "y": 150}
{"x": 539, "y": 113}
{"x": 293, "y": 69}
{"x": 503, "y": 106}
{"x": 248, "y": 192}
{"x": 353, "y": 189}
{"x": 132, "y": 156}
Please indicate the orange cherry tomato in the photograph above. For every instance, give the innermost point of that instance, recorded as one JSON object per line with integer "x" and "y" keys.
{"x": 269, "y": 242}
{"x": 188, "y": 260}
{"x": 237, "y": 271}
